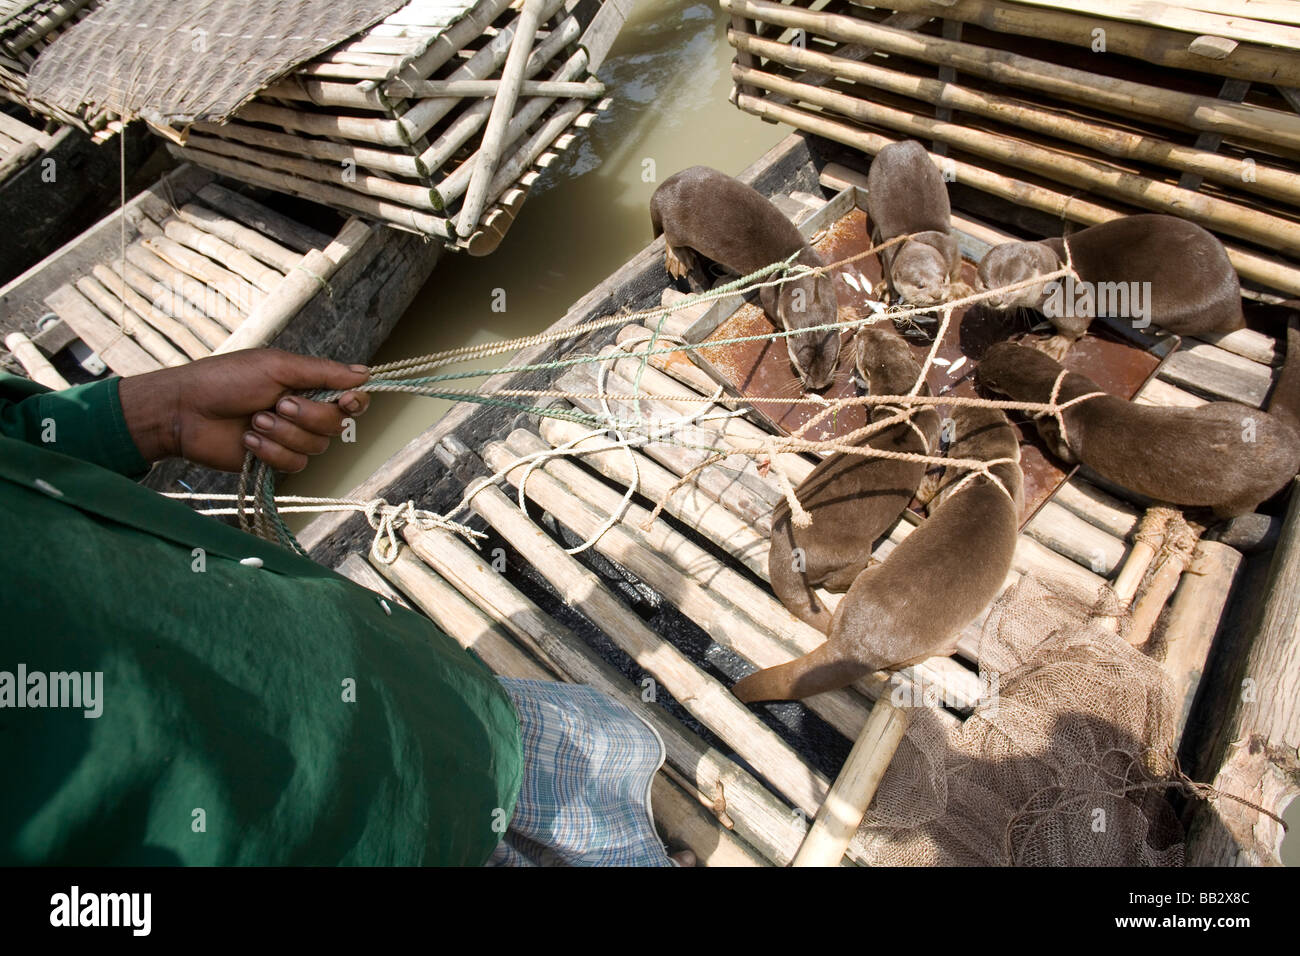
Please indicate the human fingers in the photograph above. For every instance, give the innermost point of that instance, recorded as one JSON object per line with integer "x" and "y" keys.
{"x": 274, "y": 454}
{"x": 323, "y": 418}
{"x": 310, "y": 371}
{"x": 291, "y": 436}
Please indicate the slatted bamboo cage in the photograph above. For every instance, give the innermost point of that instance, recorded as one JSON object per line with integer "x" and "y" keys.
{"x": 425, "y": 114}
{"x": 1083, "y": 111}
{"x": 27, "y": 29}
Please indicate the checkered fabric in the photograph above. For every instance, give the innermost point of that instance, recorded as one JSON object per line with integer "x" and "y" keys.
{"x": 589, "y": 761}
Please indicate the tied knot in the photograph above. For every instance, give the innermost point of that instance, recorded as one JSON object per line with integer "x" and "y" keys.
{"x": 387, "y": 520}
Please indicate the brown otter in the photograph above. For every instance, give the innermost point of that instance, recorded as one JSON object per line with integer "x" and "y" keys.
{"x": 1223, "y": 455}
{"x": 701, "y": 210}
{"x": 852, "y": 500}
{"x": 906, "y": 194}
{"x": 1150, "y": 269}
{"x": 913, "y": 605}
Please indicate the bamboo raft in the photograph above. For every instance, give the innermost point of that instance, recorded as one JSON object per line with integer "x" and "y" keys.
{"x": 666, "y": 616}
{"x": 1075, "y": 111}
{"x": 438, "y": 120}
{"x": 207, "y": 269}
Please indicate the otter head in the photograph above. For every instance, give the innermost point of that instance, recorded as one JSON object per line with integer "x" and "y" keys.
{"x": 808, "y": 302}
{"x": 884, "y": 360}
{"x": 921, "y": 270}
{"x": 1016, "y": 370}
{"x": 1014, "y": 262}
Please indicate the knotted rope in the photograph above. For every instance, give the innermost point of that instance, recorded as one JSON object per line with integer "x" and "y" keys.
{"x": 256, "y": 504}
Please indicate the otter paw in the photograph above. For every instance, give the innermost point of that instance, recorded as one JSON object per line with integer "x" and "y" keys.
{"x": 1056, "y": 346}
{"x": 677, "y": 262}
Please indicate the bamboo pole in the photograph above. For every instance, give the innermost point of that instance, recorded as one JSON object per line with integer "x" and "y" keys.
{"x": 299, "y": 287}
{"x": 366, "y": 129}
{"x": 407, "y": 218}
{"x": 851, "y": 794}
{"x": 175, "y": 330}
{"x": 1264, "y": 125}
{"x": 679, "y": 817}
{"x": 334, "y": 174}
{"x": 1068, "y": 534}
{"x": 1122, "y": 143}
{"x": 393, "y": 161}
{"x": 450, "y": 42}
{"x": 702, "y": 695}
{"x": 1145, "y": 545}
{"x": 34, "y": 363}
{"x": 1258, "y": 750}
{"x": 1218, "y": 214}
{"x": 735, "y": 484}
{"x": 426, "y": 113}
{"x": 115, "y": 347}
{"x": 736, "y": 432}
{"x": 456, "y": 182}
{"x": 287, "y": 232}
{"x": 250, "y": 240}
{"x": 1266, "y": 270}
{"x": 189, "y": 299}
{"x": 1162, "y": 47}
{"x": 145, "y": 335}
{"x": 240, "y": 292}
{"x": 464, "y": 89}
{"x": 1170, "y": 16}
{"x": 689, "y": 505}
{"x": 759, "y": 817}
{"x": 218, "y": 250}
{"x": 732, "y": 611}
{"x": 495, "y": 133}
{"x": 1173, "y": 558}
{"x": 471, "y": 119}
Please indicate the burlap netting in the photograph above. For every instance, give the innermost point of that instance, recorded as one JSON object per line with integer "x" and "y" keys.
{"x": 1063, "y": 763}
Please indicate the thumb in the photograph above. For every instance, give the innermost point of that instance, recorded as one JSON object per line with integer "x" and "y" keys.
{"x": 310, "y": 371}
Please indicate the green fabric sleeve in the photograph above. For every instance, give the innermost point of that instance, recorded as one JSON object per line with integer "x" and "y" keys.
{"x": 83, "y": 422}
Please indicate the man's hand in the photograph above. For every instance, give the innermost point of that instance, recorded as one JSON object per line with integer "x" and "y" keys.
{"x": 213, "y": 410}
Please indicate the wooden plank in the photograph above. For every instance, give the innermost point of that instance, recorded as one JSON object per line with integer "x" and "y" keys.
{"x": 1218, "y": 373}
{"x": 1257, "y": 749}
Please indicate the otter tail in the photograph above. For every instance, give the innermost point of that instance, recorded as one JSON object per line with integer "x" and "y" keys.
{"x": 826, "y": 668}
{"x": 1285, "y": 403}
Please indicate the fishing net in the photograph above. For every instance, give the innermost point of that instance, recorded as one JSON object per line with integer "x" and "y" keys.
{"x": 1064, "y": 763}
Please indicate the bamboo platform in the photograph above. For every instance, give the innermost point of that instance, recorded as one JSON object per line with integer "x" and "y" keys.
{"x": 206, "y": 270}
{"x": 1082, "y": 112}
{"x": 27, "y": 29}
{"x": 666, "y": 615}
{"x": 438, "y": 120}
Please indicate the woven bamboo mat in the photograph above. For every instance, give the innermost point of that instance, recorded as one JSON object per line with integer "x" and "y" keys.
{"x": 174, "y": 63}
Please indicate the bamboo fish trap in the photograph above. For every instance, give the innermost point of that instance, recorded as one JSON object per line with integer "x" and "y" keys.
{"x": 437, "y": 120}
{"x": 1080, "y": 111}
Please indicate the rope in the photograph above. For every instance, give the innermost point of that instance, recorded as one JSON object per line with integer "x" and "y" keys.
{"x": 256, "y": 504}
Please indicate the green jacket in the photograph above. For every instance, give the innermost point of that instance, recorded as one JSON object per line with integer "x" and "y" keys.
{"x": 248, "y": 715}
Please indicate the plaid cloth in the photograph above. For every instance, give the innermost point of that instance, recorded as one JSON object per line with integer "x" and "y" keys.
{"x": 589, "y": 761}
